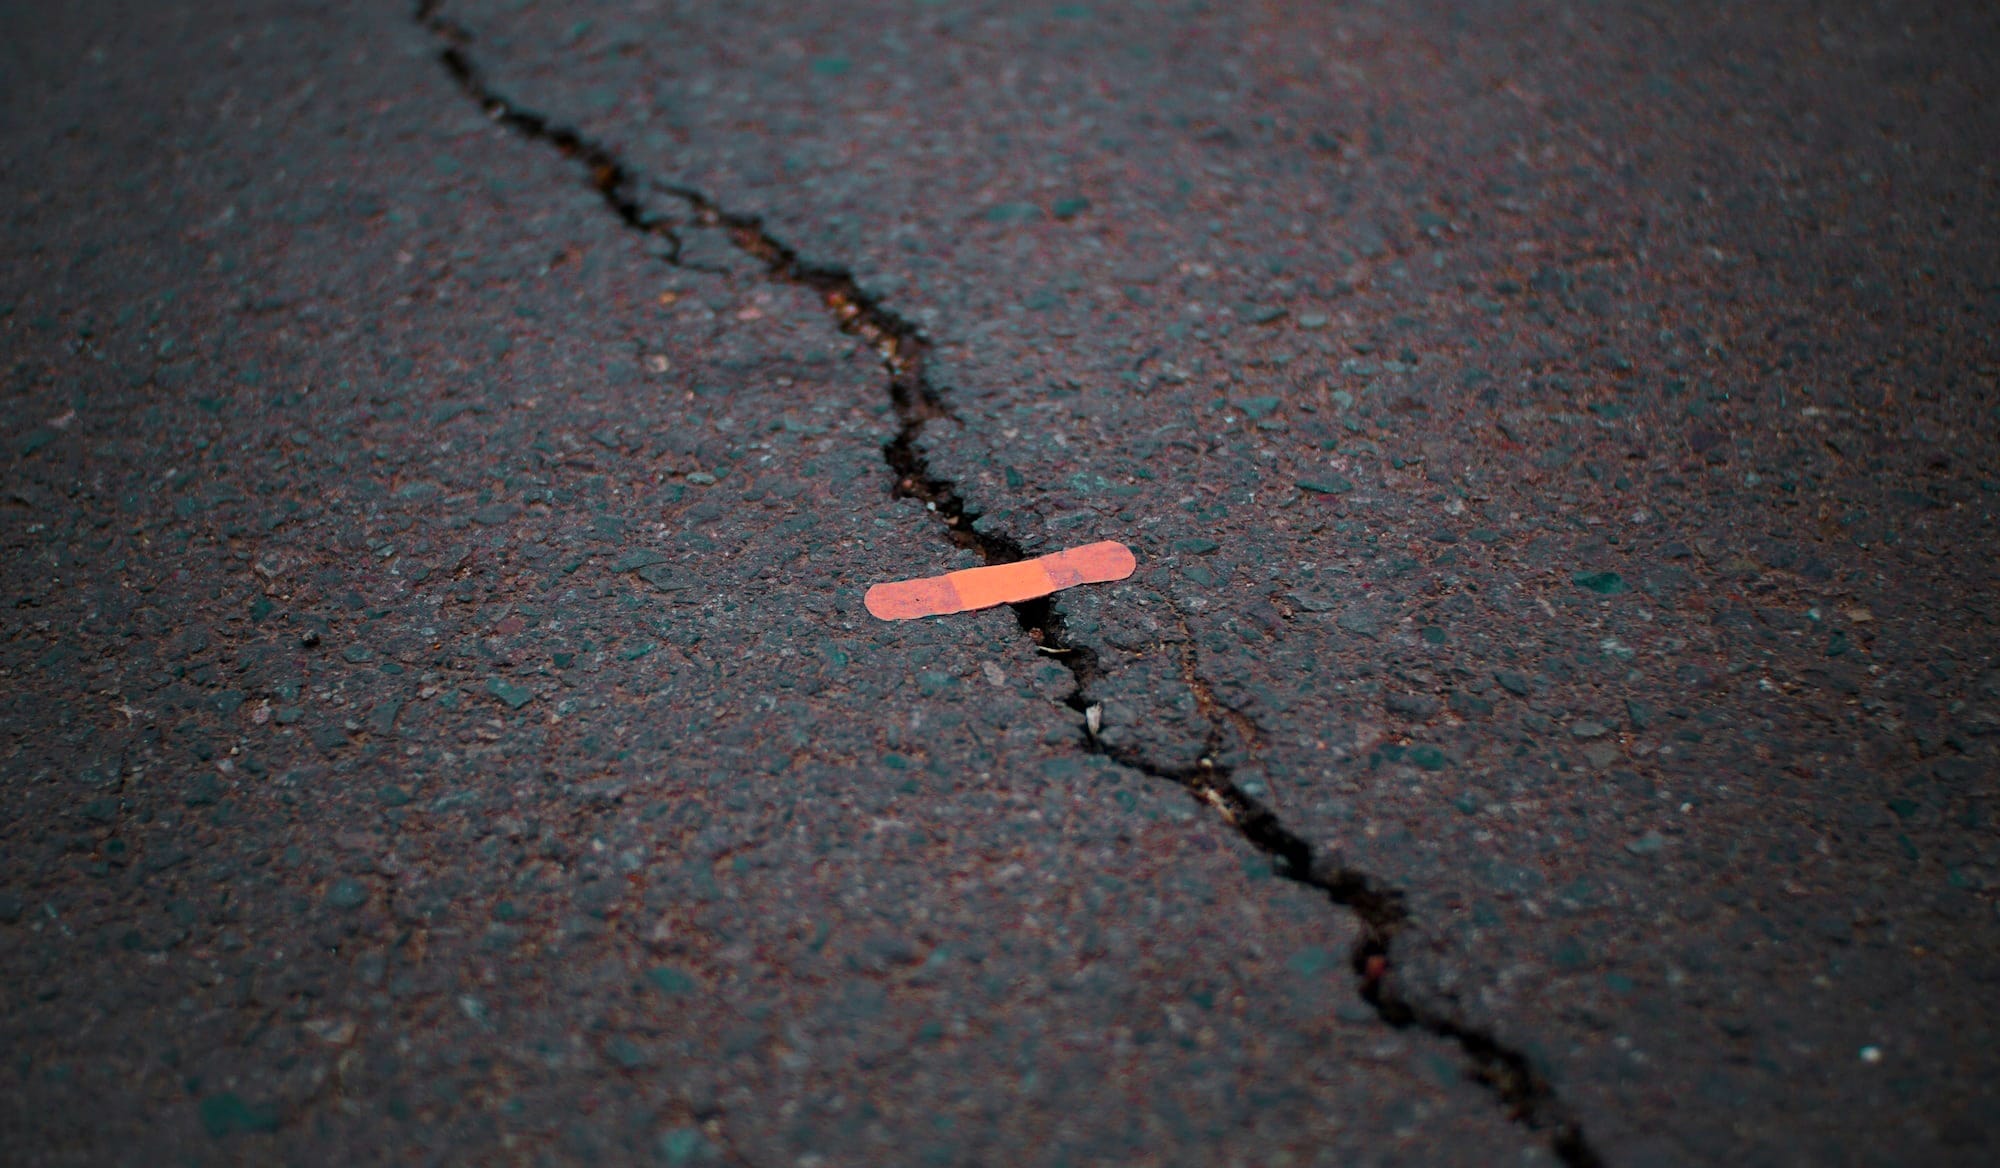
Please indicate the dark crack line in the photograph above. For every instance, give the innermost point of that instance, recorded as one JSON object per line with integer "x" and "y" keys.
{"x": 1528, "y": 1097}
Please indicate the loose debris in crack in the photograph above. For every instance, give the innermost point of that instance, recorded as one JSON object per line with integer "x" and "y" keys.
{"x": 1527, "y": 1096}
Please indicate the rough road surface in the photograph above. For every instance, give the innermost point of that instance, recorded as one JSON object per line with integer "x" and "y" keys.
{"x": 1555, "y": 720}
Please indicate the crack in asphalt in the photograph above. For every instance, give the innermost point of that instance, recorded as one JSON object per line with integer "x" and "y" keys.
{"x": 1526, "y": 1095}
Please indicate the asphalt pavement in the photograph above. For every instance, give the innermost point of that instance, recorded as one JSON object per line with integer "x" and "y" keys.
{"x": 1555, "y": 718}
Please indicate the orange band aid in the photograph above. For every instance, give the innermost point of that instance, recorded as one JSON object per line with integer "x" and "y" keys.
{"x": 975, "y": 588}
